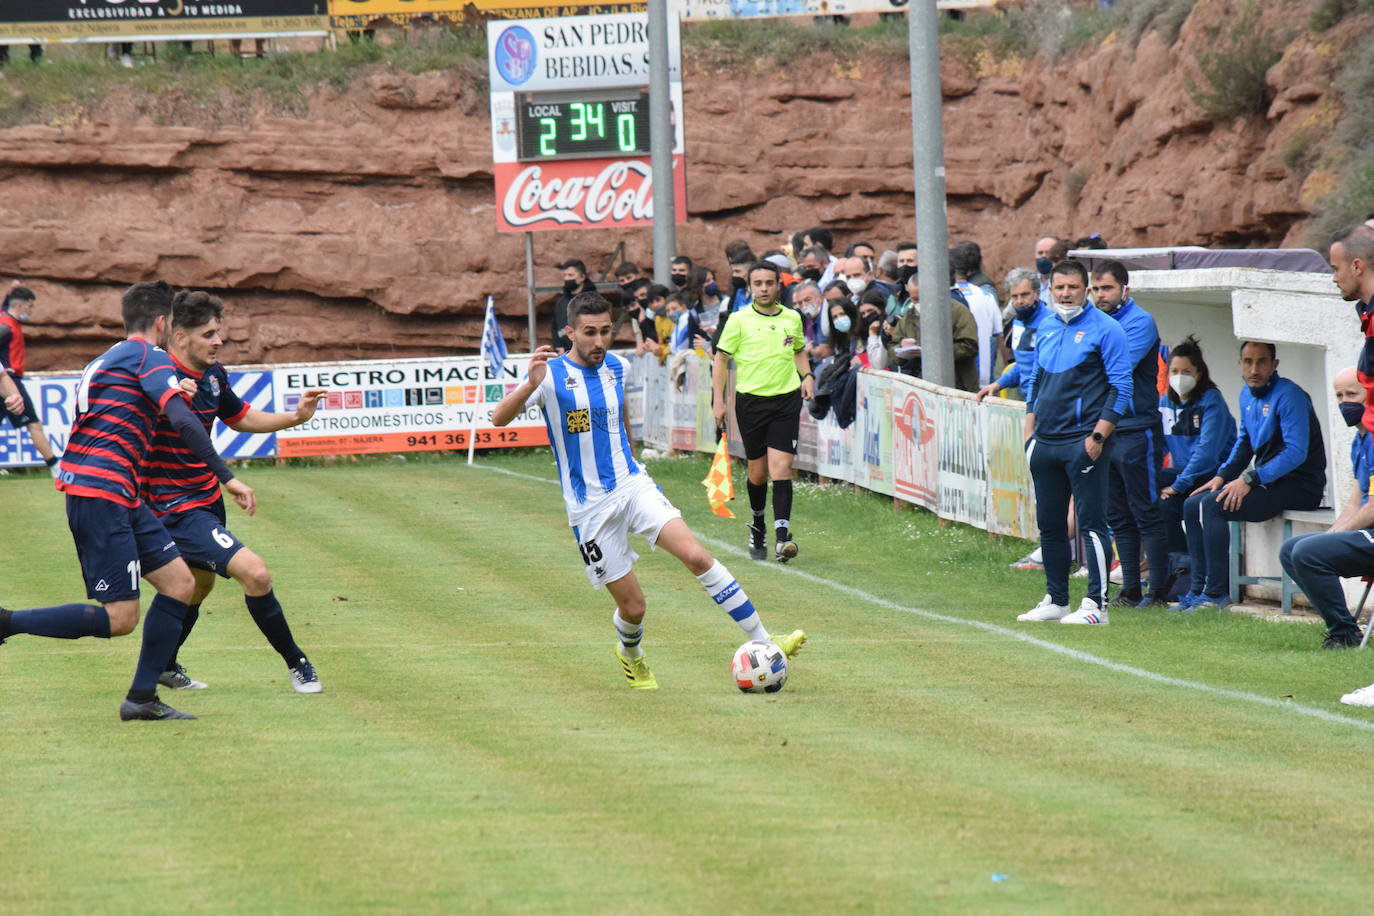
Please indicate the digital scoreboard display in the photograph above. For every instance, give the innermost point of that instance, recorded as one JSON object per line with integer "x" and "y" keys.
{"x": 585, "y": 125}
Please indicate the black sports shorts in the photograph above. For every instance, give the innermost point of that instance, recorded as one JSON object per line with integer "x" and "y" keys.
{"x": 771, "y": 421}
{"x": 30, "y": 415}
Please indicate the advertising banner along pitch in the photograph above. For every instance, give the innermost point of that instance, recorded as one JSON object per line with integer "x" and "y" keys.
{"x": 149, "y": 20}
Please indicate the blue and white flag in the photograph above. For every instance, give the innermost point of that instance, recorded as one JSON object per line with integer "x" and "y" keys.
{"x": 493, "y": 343}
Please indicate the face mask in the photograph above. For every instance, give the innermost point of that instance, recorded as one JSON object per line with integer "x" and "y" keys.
{"x": 1025, "y": 314}
{"x": 811, "y": 311}
{"x": 679, "y": 279}
{"x": 842, "y": 324}
{"x": 1353, "y": 412}
{"x": 1183, "y": 384}
{"x": 811, "y": 274}
{"x": 868, "y": 318}
{"x": 625, "y": 287}
{"x": 1067, "y": 313}
{"x": 738, "y": 283}
{"x": 570, "y": 286}
{"x": 857, "y": 285}
{"x": 905, "y": 273}
{"x": 711, "y": 289}
{"x": 1044, "y": 266}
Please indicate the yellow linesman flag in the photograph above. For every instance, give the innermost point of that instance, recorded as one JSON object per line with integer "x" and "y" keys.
{"x": 718, "y": 483}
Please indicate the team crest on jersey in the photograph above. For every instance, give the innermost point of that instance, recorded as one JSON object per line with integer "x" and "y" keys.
{"x": 1264, "y": 410}
{"x": 1078, "y": 338}
{"x": 570, "y": 382}
{"x": 578, "y": 421}
{"x": 214, "y": 386}
{"x": 787, "y": 341}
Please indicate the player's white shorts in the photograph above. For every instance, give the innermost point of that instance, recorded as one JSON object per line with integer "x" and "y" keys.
{"x": 603, "y": 537}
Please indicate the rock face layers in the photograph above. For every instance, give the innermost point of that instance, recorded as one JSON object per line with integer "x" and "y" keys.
{"x": 366, "y": 228}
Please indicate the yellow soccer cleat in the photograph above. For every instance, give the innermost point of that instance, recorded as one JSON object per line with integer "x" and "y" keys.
{"x": 790, "y": 644}
{"x": 637, "y": 671}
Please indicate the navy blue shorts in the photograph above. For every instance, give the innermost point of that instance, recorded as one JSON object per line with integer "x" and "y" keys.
{"x": 30, "y": 414}
{"x": 203, "y": 539}
{"x": 116, "y": 546}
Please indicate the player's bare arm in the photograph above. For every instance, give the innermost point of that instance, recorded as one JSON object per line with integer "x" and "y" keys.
{"x": 262, "y": 421}
{"x": 513, "y": 404}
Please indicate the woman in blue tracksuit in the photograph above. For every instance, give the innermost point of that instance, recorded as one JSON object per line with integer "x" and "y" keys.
{"x": 1199, "y": 431}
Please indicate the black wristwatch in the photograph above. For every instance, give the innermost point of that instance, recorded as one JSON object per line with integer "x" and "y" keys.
{"x": 1098, "y": 437}
{"x": 808, "y": 375}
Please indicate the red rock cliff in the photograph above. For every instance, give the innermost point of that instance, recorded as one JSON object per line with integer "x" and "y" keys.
{"x": 367, "y": 229}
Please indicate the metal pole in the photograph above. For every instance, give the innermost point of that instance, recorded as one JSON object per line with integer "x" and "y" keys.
{"x": 661, "y": 142}
{"x": 928, "y": 161}
{"x": 529, "y": 284}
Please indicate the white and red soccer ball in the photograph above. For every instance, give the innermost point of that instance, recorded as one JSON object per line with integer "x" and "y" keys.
{"x": 759, "y": 667}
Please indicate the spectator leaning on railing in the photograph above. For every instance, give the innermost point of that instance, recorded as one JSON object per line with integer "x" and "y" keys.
{"x": 1316, "y": 562}
{"x": 1277, "y": 463}
{"x": 1200, "y": 432}
{"x": 1023, "y": 292}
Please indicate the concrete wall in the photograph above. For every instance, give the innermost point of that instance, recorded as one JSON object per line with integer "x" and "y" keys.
{"x": 1316, "y": 333}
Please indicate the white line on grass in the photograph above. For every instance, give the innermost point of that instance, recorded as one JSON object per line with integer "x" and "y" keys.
{"x": 1075, "y": 654}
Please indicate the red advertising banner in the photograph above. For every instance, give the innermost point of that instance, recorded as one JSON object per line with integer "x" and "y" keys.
{"x": 581, "y": 194}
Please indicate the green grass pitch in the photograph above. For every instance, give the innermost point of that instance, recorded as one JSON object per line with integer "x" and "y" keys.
{"x": 476, "y": 750}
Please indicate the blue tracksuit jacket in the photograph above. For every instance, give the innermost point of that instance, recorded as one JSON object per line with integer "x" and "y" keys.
{"x": 1200, "y": 434}
{"x": 1142, "y": 339}
{"x": 1023, "y": 336}
{"x": 1081, "y": 374}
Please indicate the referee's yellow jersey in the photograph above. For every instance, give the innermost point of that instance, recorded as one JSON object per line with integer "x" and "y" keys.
{"x": 763, "y": 348}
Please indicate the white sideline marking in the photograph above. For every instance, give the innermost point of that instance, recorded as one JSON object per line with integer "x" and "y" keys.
{"x": 1075, "y": 654}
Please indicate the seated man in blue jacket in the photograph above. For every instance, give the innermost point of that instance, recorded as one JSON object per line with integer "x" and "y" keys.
{"x": 1277, "y": 463}
{"x": 1316, "y": 562}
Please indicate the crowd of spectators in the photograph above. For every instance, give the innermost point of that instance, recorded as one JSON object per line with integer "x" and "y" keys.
{"x": 1131, "y": 445}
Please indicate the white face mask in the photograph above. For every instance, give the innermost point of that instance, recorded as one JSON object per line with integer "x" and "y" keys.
{"x": 1068, "y": 313}
{"x": 857, "y": 285}
{"x": 1182, "y": 384}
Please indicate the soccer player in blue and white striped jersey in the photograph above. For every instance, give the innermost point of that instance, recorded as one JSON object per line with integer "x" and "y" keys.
{"x": 607, "y": 492}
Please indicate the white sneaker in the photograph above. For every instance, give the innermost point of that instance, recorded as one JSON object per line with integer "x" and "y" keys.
{"x": 1362, "y": 697}
{"x": 1088, "y": 612}
{"x": 1115, "y": 576}
{"x": 1045, "y": 610}
{"x": 1079, "y": 573}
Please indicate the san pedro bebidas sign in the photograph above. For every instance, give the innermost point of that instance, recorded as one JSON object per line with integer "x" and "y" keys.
{"x": 134, "y": 20}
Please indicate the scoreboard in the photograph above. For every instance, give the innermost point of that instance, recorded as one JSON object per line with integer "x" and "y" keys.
{"x": 582, "y": 125}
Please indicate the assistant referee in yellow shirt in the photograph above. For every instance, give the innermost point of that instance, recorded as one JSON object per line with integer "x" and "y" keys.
{"x": 772, "y": 378}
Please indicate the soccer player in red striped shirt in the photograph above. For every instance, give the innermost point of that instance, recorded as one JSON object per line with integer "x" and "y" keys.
{"x": 184, "y": 494}
{"x": 118, "y": 538}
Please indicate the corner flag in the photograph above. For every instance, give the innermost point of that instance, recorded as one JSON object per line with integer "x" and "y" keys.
{"x": 493, "y": 343}
{"x": 720, "y": 486}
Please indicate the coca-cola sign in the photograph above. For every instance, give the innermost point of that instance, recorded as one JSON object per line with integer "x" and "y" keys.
{"x": 581, "y": 194}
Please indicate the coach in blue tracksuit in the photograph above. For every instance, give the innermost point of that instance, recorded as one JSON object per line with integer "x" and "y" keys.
{"x": 1277, "y": 463}
{"x": 1080, "y": 388}
{"x": 1316, "y": 562}
{"x": 1023, "y": 294}
{"x": 1133, "y": 509}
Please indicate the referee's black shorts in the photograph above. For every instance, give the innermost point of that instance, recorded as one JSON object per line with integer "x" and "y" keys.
{"x": 771, "y": 421}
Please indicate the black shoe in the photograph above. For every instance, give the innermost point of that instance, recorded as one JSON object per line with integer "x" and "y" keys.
{"x": 758, "y": 543}
{"x": 154, "y": 710}
{"x": 4, "y": 625}
{"x": 1341, "y": 642}
{"x": 1124, "y": 600}
{"x": 785, "y": 550}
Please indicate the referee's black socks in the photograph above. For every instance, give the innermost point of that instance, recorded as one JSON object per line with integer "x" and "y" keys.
{"x": 782, "y": 508}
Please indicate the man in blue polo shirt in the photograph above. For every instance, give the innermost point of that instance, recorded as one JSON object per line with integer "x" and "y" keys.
{"x": 1316, "y": 562}
{"x": 1277, "y": 463}
{"x": 1080, "y": 388}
